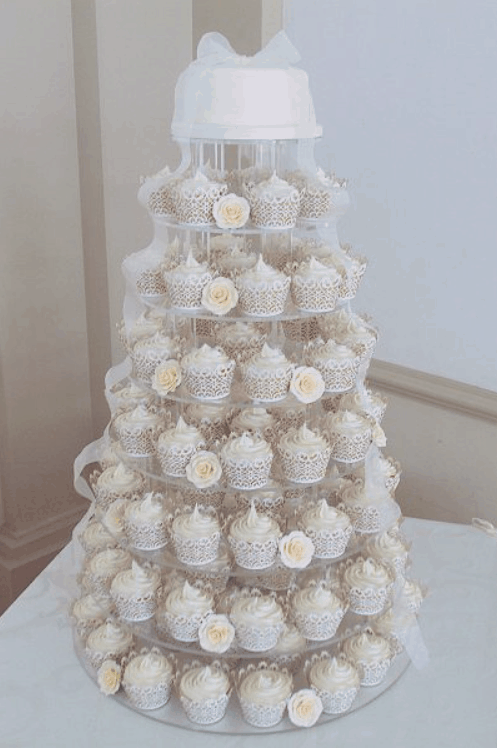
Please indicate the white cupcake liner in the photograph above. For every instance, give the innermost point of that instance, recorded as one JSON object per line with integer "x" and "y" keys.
{"x": 161, "y": 201}
{"x": 186, "y": 293}
{"x": 349, "y": 286}
{"x": 104, "y": 496}
{"x": 135, "y": 609}
{"x": 148, "y": 697}
{"x": 145, "y": 362}
{"x": 370, "y": 519}
{"x": 315, "y": 203}
{"x": 372, "y": 673}
{"x": 318, "y": 626}
{"x": 96, "y": 659}
{"x": 273, "y": 212}
{"x": 146, "y": 537}
{"x": 213, "y": 496}
{"x": 328, "y": 543}
{"x": 266, "y": 386}
{"x": 257, "y": 638}
{"x": 150, "y": 284}
{"x": 338, "y": 375}
{"x": 196, "y": 551}
{"x": 369, "y": 602}
{"x": 337, "y": 702}
{"x": 262, "y": 715}
{"x": 266, "y": 301}
{"x": 314, "y": 296}
{"x": 300, "y": 467}
{"x": 99, "y": 584}
{"x": 205, "y": 712}
{"x": 196, "y": 208}
{"x": 247, "y": 474}
{"x": 207, "y": 384}
{"x": 254, "y": 555}
{"x": 137, "y": 441}
{"x": 183, "y": 628}
{"x": 175, "y": 457}
{"x": 347, "y": 448}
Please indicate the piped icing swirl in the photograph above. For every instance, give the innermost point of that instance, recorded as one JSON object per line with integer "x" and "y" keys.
{"x": 290, "y": 641}
{"x": 139, "y": 417}
{"x": 119, "y": 478}
{"x": 148, "y": 511}
{"x": 196, "y": 524}
{"x": 314, "y": 270}
{"x": 253, "y": 419}
{"x": 135, "y": 582}
{"x": 246, "y": 447}
{"x": 89, "y": 608}
{"x": 181, "y": 435}
{"x": 367, "y": 647}
{"x": 367, "y": 573}
{"x": 189, "y": 267}
{"x": 108, "y": 562}
{"x": 316, "y": 599}
{"x": 269, "y": 359}
{"x": 274, "y": 187}
{"x": 185, "y": 600}
{"x": 256, "y": 610}
{"x": 333, "y": 674}
{"x": 109, "y": 637}
{"x": 204, "y": 682}
{"x": 262, "y": 275}
{"x": 322, "y": 516}
{"x": 206, "y": 357}
{"x": 266, "y": 687}
{"x": 148, "y": 669}
{"x": 302, "y": 440}
{"x": 254, "y": 527}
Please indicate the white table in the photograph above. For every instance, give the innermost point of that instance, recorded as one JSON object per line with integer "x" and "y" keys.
{"x": 47, "y": 701}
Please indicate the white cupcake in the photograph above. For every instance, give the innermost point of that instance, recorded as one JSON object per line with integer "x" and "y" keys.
{"x": 176, "y": 446}
{"x": 186, "y": 283}
{"x": 371, "y": 509}
{"x": 108, "y": 641}
{"x": 89, "y": 612}
{"x": 255, "y": 421}
{"x": 351, "y": 435}
{"x": 253, "y": 537}
{"x": 246, "y": 461}
{"x": 113, "y": 518}
{"x": 274, "y": 203}
{"x": 241, "y": 340}
{"x": 288, "y": 649}
{"x": 258, "y": 621}
{"x": 315, "y": 286}
{"x": 117, "y": 482}
{"x": 394, "y": 625}
{"x": 304, "y": 455}
{"x": 317, "y": 611}
{"x": 147, "y": 679}
{"x": 263, "y": 290}
{"x": 127, "y": 398}
{"x": 145, "y": 325}
{"x": 412, "y": 595}
{"x": 103, "y": 567}
{"x": 134, "y": 592}
{"x": 146, "y": 523}
{"x": 196, "y": 535}
{"x": 267, "y": 375}
{"x": 337, "y": 363}
{"x": 371, "y": 654}
{"x": 329, "y": 528}
{"x": 317, "y": 195}
{"x": 150, "y": 353}
{"x": 336, "y": 681}
{"x": 138, "y": 430}
{"x": 370, "y": 403}
{"x": 208, "y": 372}
{"x": 351, "y": 330}
{"x": 204, "y": 692}
{"x": 263, "y": 694}
{"x": 390, "y": 548}
{"x": 95, "y": 537}
{"x": 183, "y": 610}
{"x": 368, "y": 584}
{"x": 194, "y": 199}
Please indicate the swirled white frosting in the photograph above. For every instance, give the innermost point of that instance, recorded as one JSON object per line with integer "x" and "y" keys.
{"x": 132, "y": 393}
{"x": 139, "y": 416}
{"x": 256, "y": 610}
{"x": 357, "y": 401}
{"x": 333, "y": 674}
{"x": 159, "y": 344}
{"x": 109, "y": 562}
{"x": 180, "y": 435}
{"x": 253, "y": 419}
{"x": 246, "y": 447}
{"x": 316, "y": 599}
{"x": 146, "y": 512}
{"x": 367, "y": 647}
{"x": 196, "y": 524}
{"x": 302, "y": 440}
{"x": 313, "y": 270}
{"x": 320, "y": 351}
{"x": 269, "y": 359}
{"x": 262, "y": 274}
{"x": 148, "y": 669}
{"x": 205, "y": 357}
{"x": 387, "y": 546}
{"x": 90, "y": 608}
{"x": 119, "y": 478}
{"x": 146, "y": 325}
{"x": 290, "y": 641}
{"x": 356, "y": 493}
{"x": 198, "y": 180}
{"x": 322, "y": 516}
{"x": 367, "y": 573}
{"x": 348, "y": 327}
{"x": 254, "y": 527}
{"x": 135, "y": 581}
{"x": 189, "y": 268}
{"x": 348, "y": 422}
{"x": 266, "y": 687}
{"x": 204, "y": 682}
{"x": 96, "y": 537}
{"x": 113, "y": 518}
{"x": 109, "y": 637}
{"x": 186, "y": 600}
{"x": 274, "y": 187}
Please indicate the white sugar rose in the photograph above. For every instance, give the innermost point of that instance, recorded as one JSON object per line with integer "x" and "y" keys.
{"x": 109, "y": 677}
{"x": 167, "y": 377}
{"x": 379, "y": 437}
{"x": 204, "y": 469}
{"x": 220, "y": 296}
{"x": 231, "y": 212}
{"x": 304, "y": 708}
{"x": 307, "y": 384}
{"x": 216, "y": 634}
{"x": 296, "y": 550}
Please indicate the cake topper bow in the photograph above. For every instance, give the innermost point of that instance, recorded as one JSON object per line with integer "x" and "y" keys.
{"x": 215, "y": 49}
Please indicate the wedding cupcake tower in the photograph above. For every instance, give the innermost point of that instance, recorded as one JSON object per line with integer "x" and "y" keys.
{"x": 243, "y": 556}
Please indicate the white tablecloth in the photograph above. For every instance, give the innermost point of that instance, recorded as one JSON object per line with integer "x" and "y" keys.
{"x": 47, "y": 700}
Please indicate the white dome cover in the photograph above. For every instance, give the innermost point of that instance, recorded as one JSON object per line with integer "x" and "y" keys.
{"x": 225, "y": 96}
